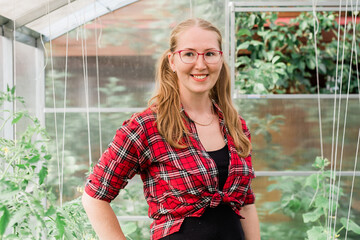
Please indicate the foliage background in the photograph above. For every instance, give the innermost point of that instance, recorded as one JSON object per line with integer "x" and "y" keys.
{"x": 276, "y": 57}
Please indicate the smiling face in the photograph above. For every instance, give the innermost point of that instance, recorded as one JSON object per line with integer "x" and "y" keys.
{"x": 198, "y": 77}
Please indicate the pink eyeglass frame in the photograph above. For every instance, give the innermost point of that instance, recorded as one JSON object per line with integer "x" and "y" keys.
{"x": 198, "y": 54}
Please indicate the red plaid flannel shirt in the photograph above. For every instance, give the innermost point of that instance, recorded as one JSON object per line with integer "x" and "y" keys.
{"x": 178, "y": 183}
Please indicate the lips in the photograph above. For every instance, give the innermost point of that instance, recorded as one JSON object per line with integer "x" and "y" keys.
{"x": 199, "y": 77}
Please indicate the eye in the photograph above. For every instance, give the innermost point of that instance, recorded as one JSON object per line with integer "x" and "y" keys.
{"x": 188, "y": 53}
{"x": 211, "y": 54}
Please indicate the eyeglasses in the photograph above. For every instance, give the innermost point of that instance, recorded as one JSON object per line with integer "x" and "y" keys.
{"x": 191, "y": 56}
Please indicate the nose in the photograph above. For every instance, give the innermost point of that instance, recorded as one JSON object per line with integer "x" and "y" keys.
{"x": 200, "y": 61}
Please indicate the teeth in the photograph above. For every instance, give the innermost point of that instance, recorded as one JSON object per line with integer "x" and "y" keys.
{"x": 200, "y": 76}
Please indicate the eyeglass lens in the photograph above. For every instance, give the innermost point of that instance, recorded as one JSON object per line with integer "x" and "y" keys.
{"x": 190, "y": 56}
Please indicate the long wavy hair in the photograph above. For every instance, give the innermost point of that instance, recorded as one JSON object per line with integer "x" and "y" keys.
{"x": 166, "y": 102}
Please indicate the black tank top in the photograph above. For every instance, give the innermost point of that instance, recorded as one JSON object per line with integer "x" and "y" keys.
{"x": 221, "y": 158}
{"x": 220, "y": 223}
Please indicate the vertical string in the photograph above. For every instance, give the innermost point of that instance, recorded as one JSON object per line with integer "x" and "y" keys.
{"x": 334, "y": 119}
{"x": 333, "y": 179}
{"x": 352, "y": 184}
{"x": 54, "y": 106}
{"x": 64, "y": 104}
{"x": 98, "y": 78}
{"x": 316, "y": 30}
{"x": 14, "y": 72}
{"x": 345, "y": 119}
{"x": 354, "y": 48}
{"x": 86, "y": 86}
{"x": 356, "y": 53}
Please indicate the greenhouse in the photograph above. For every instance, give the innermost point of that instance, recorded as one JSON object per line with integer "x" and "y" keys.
{"x": 76, "y": 73}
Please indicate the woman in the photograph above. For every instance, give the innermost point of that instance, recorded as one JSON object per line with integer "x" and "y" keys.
{"x": 190, "y": 147}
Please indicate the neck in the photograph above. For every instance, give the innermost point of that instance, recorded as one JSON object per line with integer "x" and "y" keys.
{"x": 197, "y": 104}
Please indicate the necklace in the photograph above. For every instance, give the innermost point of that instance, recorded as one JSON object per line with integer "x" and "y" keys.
{"x": 207, "y": 124}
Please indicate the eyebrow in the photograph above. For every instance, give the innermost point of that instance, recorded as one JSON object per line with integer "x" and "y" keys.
{"x": 204, "y": 50}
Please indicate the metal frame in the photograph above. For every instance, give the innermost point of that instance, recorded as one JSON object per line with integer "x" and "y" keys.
{"x": 245, "y": 96}
{"x": 7, "y": 73}
{"x": 279, "y": 6}
{"x": 266, "y": 6}
{"x": 24, "y": 25}
{"x": 301, "y": 173}
{"x": 23, "y": 34}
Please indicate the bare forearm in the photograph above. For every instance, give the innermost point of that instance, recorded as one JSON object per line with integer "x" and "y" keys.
{"x": 250, "y": 224}
{"x": 102, "y": 218}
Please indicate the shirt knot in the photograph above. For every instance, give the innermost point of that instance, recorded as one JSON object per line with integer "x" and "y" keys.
{"x": 219, "y": 197}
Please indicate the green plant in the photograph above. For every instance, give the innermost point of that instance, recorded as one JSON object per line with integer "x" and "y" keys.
{"x": 24, "y": 213}
{"x": 280, "y": 58}
{"x": 27, "y": 205}
{"x": 305, "y": 200}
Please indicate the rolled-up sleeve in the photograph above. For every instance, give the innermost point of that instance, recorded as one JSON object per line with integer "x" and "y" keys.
{"x": 118, "y": 164}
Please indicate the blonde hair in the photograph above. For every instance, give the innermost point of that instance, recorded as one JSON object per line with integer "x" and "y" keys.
{"x": 166, "y": 101}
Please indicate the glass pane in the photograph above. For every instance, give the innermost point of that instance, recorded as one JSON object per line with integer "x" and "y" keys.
{"x": 125, "y": 81}
{"x": 15, "y": 10}
{"x": 2, "y": 58}
{"x": 76, "y": 148}
{"x": 275, "y": 51}
{"x": 130, "y": 40}
{"x": 282, "y": 218}
{"x": 26, "y": 80}
{"x": 286, "y": 136}
{"x": 2, "y": 87}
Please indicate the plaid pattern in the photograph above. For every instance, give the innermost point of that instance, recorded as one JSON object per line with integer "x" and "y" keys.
{"x": 178, "y": 183}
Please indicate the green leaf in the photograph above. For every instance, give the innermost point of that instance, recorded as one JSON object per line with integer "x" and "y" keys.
{"x": 294, "y": 205}
{"x": 321, "y": 202}
{"x": 312, "y": 216}
{"x": 244, "y": 45}
{"x": 243, "y": 60}
{"x": 50, "y": 211}
{"x": 20, "y": 214}
{"x": 47, "y": 157}
{"x": 21, "y": 166}
{"x": 311, "y": 63}
{"x": 16, "y": 119}
{"x": 252, "y": 19}
{"x": 34, "y": 159}
{"x": 280, "y": 71}
{"x": 243, "y": 31}
{"x": 9, "y": 194}
{"x": 60, "y": 225}
{"x": 12, "y": 90}
{"x": 274, "y": 60}
{"x": 269, "y": 55}
{"x": 317, "y": 233}
{"x": 352, "y": 226}
{"x": 256, "y": 43}
{"x": 312, "y": 181}
{"x": 329, "y": 174}
{"x": 4, "y": 220}
{"x": 322, "y": 68}
{"x": 42, "y": 175}
{"x": 321, "y": 162}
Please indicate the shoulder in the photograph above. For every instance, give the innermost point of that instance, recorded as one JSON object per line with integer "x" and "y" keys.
{"x": 141, "y": 120}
